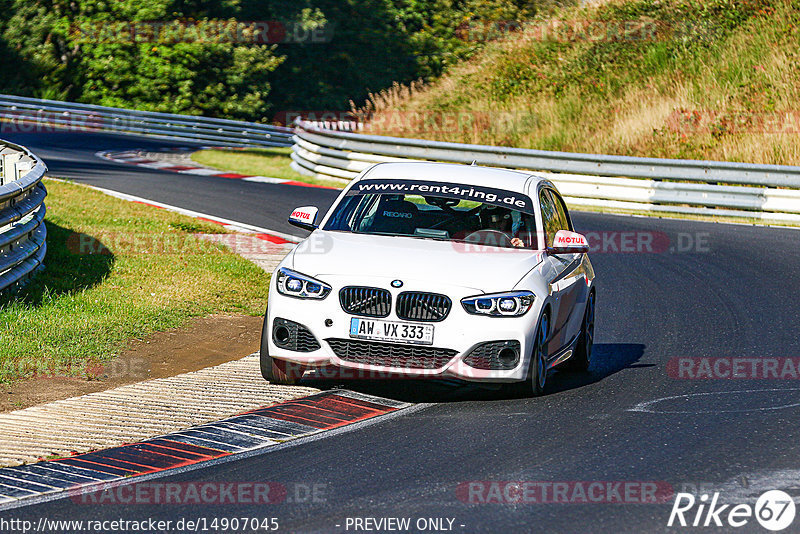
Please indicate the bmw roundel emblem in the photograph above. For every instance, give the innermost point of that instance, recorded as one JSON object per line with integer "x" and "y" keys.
{"x": 397, "y": 283}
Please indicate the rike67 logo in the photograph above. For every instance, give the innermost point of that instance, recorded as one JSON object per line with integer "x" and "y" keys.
{"x": 774, "y": 510}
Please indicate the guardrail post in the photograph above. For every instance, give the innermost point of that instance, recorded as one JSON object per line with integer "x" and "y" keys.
{"x": 22, "y": 168}
{"x": 9, "y": 158}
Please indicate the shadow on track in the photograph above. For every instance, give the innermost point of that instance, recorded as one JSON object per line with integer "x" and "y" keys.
{"x": 607, "y": 359}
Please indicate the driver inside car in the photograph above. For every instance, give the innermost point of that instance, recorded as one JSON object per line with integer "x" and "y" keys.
{"x": 500, "y": 219}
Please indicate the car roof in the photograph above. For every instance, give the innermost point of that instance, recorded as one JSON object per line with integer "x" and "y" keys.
{"x": 454, "y": 173}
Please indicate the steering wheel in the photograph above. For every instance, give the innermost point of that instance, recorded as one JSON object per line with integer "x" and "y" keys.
{"x": 497, "y": 239}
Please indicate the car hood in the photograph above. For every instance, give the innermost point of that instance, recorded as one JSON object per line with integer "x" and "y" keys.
{"x": 344, "y": 254}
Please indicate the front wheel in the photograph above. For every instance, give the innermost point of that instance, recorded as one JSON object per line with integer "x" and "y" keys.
{"x": 277, "y": 371}
{"x": 537, "y": 371}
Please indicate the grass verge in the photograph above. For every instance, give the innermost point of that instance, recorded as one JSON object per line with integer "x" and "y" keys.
{"x": 272, "y": 162}
{"x": 116, "y": 270}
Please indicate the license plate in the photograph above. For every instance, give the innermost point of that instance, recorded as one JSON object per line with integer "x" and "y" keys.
{"x": 417, "y": 334}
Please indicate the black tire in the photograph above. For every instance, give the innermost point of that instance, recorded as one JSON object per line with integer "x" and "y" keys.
{"x": 536, "y": 382}
{"x": 276, "y": 371}
{"x": 582, "y": 358}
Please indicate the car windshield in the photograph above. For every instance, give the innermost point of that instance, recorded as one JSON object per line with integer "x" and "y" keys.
{"x": 482, "y": 216}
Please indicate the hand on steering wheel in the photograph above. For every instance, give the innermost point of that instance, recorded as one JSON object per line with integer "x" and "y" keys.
{"x": 494, "y": 238}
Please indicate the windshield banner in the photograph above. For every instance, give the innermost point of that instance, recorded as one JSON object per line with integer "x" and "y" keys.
{"x": 487, "y": 195}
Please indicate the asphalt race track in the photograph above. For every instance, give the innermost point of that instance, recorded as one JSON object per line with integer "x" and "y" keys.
{"x": 704, "y": 291}
{"x": 72, "y": 155}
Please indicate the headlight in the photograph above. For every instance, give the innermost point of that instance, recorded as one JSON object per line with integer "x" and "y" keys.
{"x": 294, "y": 284}
{"x": 511, "y": 304}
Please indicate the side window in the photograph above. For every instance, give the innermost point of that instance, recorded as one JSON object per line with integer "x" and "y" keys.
{"x": 563, "y": 215}
{"x": 550, "y": 218}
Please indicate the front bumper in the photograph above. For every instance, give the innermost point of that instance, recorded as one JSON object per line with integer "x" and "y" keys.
{"x": 454, "y": 339}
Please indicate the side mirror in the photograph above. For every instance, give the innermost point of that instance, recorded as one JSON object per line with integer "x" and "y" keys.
{"x": 305, "y": 218}
{"x": 567, "y": 242}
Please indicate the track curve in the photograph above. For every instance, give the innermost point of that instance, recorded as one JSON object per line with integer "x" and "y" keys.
{"x": 72, "y": 155}
{"x": 733, "y": 293}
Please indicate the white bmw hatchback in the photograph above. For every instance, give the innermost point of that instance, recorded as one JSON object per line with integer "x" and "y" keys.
{"x": 434, "y": 270}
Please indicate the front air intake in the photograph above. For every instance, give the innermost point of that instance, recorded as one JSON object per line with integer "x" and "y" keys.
{"x": 293, "y": 336}
{"x": 391, "y": 354}
{"x": 494, "y": 356}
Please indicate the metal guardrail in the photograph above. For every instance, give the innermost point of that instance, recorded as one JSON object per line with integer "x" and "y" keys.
{"x": 22, "y": 210}
{"x": 767, "y": 192}
{"x": 26, "y": 114}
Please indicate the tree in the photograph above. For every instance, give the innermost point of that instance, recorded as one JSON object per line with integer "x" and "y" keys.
{"x": 117, "y": 54}
{"x": 182, "y": 56}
